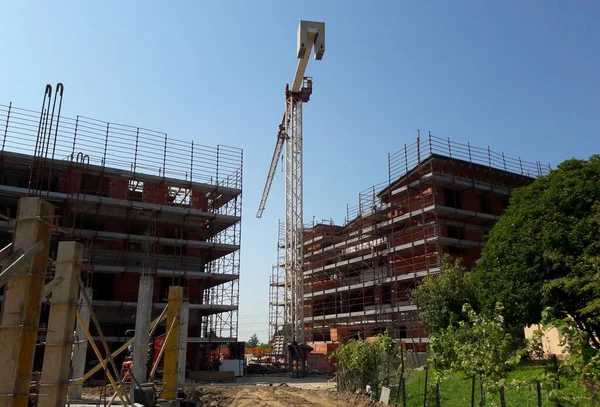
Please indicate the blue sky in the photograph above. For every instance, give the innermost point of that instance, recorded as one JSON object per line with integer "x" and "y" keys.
{"x": 519, "y": 76}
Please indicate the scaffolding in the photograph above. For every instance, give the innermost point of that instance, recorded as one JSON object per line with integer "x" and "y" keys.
{"x": 440, "y": 198}
{"x": 141, "y": 202}
{"x": 277, "y": 292}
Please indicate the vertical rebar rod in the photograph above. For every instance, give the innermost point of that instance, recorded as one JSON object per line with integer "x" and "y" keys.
{"x": 6, "y": 127}
{"x": 504, "y": 161}
{"x": 135, "y": 153}
{"x": 521, "y": 165}
{"x": 74, "y": 137}
{"x": 105, "y": 146}
{"x": 217, "y": 169}
{"x": 418, "y": 146}
{"x": 430, "y": 144}
{"x": 164, "y": 168}
{"x": 449, "y": 148}
{"x": 469, "y": 148}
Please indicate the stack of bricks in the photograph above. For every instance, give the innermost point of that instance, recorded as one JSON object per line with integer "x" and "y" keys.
{"x": 155, "y": 193}
{"x": 118, "y": 188}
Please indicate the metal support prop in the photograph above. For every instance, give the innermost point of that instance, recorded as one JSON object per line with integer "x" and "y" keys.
{"x": 172, "y": 343}
{"x": 59, "y": 339}
{"x": 22, "y": 303}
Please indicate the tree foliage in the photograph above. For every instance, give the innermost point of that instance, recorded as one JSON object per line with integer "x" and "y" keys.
{"x": 477, "y": 346}
{"x": 440, "y": 298}
{"x": 253, "y": 342}
{"x": 545, "y": 250}
{"x": 361, "y": 363}
{"x": 583, "y": 365}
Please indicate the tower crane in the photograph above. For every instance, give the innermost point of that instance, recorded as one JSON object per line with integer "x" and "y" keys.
{"x": 310, "y": 34}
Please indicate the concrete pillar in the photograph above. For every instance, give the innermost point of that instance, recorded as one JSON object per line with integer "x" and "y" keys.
{"x": 80, "y": 348}
{"x": 183, "y": 338}
{"x": 143, "y": 319}
{"x": 22, "y": 303}
{"x": 172, "y": 343}
{"x": 56, "y": 369}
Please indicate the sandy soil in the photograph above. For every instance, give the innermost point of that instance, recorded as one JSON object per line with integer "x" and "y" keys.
{"x": 280, "y": 396}
{"x": 265, "y": 391}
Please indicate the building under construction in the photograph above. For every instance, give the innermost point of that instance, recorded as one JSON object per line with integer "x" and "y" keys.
{"x": 440, "y": 197}
{"x": 142, "y": 203}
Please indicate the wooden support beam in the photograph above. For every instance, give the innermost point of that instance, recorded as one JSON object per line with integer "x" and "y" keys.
{"x": 162, "y": 350}
{"x": 6, "y": 251}
{"x": 56, "y": 369}
{"x": 22, "y": 303}
{"x": 48, "y": 288}
{"x": 172, "y": 343}
{"x": 20, "y": 258}
{"x": 111, "y": 362}
{"x": 93, "y": 370}
{"x": 116, "y": 388}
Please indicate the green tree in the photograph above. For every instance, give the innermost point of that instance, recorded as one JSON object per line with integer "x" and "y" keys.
{"x": 545, "y": 250}
{"x": 478, "y": 346}
{"x": 583, "y": 366}
{"x": 361, "y": 363}
{"x": 440, "y": 298}
{"x": 253, "y": 342}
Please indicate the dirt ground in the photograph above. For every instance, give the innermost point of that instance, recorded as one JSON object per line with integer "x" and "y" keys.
{"x": 274, "y": 396}
{"x": 265, "y": 391}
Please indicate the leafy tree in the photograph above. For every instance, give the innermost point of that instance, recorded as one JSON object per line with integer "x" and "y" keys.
{"x": 253, "y": 342}
{"x": 440, "y": 298}
{"x": 361, "y": 363}
{"x": 583, "y": 366}
{"x": 478, "y": 346}
{"x": 545, "y": 250}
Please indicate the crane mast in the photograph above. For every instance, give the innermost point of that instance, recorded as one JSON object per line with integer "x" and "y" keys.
{"x": 310, "y": 34}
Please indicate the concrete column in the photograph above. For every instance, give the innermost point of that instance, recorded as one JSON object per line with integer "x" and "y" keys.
{"x": 142, "y": 330}
{"x": 172, "y": 343}
{"x": 22, "y": 303}
{"x": 56, "y": 369}
{"x": 80, "y": 348}
{"x": 183, "y": 338}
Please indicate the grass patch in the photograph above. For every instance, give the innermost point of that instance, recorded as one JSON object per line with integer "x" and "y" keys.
{"x": 457, "y": 391}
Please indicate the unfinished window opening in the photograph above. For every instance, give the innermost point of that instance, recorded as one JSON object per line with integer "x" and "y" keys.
{"x": 456, "y": 232}
{"x": 179, "y": 196}
{"x": 485, "y": 203}
{"x": 135, "y": 190}
{"x": 452, "y": 198}
{"x": 104, "y": 287}
{"x": 457, "y": 250}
